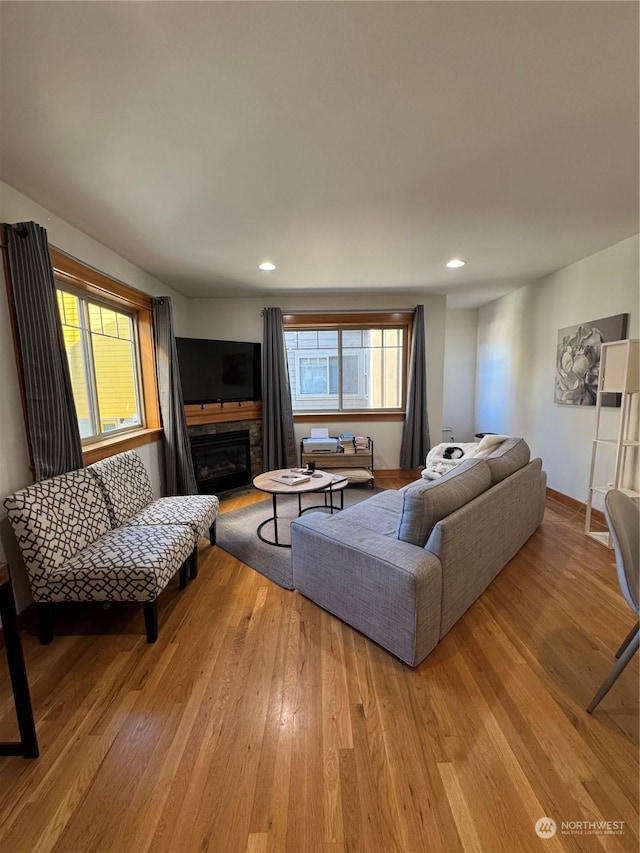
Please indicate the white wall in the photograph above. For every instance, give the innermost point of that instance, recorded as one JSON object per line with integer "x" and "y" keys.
{"x": 14, "y": 456}
{"x": 517, "y": 337}
{"x": 458, "y": 404}
{"x": 241, "y": 319}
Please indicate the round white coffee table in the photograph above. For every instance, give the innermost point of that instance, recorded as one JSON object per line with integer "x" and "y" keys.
{"x": 265, "y": 483}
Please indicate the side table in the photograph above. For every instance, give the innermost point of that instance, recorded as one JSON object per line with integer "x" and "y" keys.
{"x": 338, "y": 485}
{"x": 28, "y": 743}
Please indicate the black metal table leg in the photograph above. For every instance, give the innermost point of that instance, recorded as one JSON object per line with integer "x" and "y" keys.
{"x": 28, "y": 745}
{"x": 273, "y": 519}
{"x": 328, "y": 494}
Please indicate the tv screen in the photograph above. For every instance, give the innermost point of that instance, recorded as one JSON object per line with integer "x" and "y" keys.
{"x": 219, "y": 371}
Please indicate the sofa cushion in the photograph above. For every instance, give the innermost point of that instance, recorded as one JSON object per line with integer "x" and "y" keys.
{"x": 425, "y": 503}
{"x": 508, "y": 458}
{"x": 197, "y": 511}
{"x": 127, "y": 564}
{"x": 55, "y": 519}
{"x": 378, "y": 513}
{"x": 125, "y": 485}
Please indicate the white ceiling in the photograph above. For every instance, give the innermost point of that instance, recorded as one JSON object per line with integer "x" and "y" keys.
{"x": 358, "y": 145}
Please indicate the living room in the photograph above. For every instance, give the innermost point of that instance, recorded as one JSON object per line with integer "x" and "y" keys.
{"x": 490, "y": 361}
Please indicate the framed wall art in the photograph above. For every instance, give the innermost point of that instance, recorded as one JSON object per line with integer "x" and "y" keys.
{"x": 578, "y": 360}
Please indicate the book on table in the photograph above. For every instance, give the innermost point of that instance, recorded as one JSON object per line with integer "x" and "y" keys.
{"x": 347, "y": 442}
{"x": 291, "y": 479}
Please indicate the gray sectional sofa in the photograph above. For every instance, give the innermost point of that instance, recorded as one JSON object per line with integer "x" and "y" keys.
{"x": 403, "y": 566}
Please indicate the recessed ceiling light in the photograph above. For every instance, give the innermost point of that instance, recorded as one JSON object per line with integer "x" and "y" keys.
{"x": 267, "y": 266}
{"x": 455, "y": 263}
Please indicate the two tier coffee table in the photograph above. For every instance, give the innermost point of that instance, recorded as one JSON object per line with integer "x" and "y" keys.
{"x": 320, "y": 481}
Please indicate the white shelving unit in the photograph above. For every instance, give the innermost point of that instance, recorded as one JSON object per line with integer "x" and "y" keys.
{"x": 619, "y": 374}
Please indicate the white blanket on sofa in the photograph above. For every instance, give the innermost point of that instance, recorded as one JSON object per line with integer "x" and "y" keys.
{"x": 438, "y": 464}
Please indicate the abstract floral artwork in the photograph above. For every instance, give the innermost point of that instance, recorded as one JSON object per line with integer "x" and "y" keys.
{"x": 578, "y": 360}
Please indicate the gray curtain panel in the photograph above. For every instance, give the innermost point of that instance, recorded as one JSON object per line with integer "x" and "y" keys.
{"x": 179, "y": 477}
{"x": 279, "y": 449}
{"x": 54, "y": 438}
{"x": 415, "y": 435}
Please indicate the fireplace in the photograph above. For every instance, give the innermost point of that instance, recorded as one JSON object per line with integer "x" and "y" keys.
{"x": 221, "y": 461}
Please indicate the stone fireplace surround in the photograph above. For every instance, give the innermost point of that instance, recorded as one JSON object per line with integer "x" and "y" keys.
{"x": 254, "y": 427}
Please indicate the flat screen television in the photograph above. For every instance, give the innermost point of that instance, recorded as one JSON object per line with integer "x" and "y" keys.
{"x": 219, "y": 371}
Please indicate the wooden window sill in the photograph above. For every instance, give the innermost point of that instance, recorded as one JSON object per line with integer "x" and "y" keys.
{"x": 105, "y": 447}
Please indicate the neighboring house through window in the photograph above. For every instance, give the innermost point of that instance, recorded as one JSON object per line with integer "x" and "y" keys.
{"x": 107, "y": 329}
{"x": 347, "y": 363}
{"x": 101, "y": 347}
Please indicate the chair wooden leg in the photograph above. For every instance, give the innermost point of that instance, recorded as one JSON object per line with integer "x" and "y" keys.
{"x": 183, "y": 575}
{"x": 212, "y": 533}
{"x": 609, "y": 681}
{"x": 47, "y": 618}
{"x": 193, "y": 563}
{"x": 151, "y": 620}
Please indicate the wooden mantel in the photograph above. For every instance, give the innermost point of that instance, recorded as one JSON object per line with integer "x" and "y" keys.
{"x": 216, "y": 413}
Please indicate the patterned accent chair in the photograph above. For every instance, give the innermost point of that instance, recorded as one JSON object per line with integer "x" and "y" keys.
{"x": 127, "y": 491}
{"x": 73, "y": 552}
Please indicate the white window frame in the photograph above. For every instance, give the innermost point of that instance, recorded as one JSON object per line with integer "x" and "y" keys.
{"x": 340, "y": 322}
{"x": 89, "y": 364}
{"x": 72, "y": 273}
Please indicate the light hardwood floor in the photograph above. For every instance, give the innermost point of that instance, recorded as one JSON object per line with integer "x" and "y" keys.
{"x": 258, "y": 722}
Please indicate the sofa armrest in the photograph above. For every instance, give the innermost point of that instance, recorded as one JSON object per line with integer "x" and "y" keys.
{"x": 388, "y": 589}
{"x": 477, "y": 541}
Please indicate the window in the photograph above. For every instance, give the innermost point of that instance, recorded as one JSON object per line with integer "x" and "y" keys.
{"x": 319, "y": 375}
{"x": 345, "y": 365}
{"x": 101, "y": 347}
{"x": 107, "y": 329}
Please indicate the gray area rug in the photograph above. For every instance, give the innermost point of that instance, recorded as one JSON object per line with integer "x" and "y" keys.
{"x": 236, "y": 531}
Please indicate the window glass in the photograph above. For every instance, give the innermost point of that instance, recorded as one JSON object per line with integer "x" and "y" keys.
{"x": 101, "y": 351}
{"x": 308, "y": 340}
{"x": 351, "y": 366}
{"x": 70, "y": 314}
{"x": 125, "y": 327}
{"x": 328, "y": 338}
{"x": 346, "y": 369}
{"x": 114, "y": 362}
{"x": 352, "y": 338}
{"x": 314, "y": 378}
{"x": 333, "y": 374}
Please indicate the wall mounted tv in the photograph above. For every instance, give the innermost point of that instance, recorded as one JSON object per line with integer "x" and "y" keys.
{"x": 219, "y": 371}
